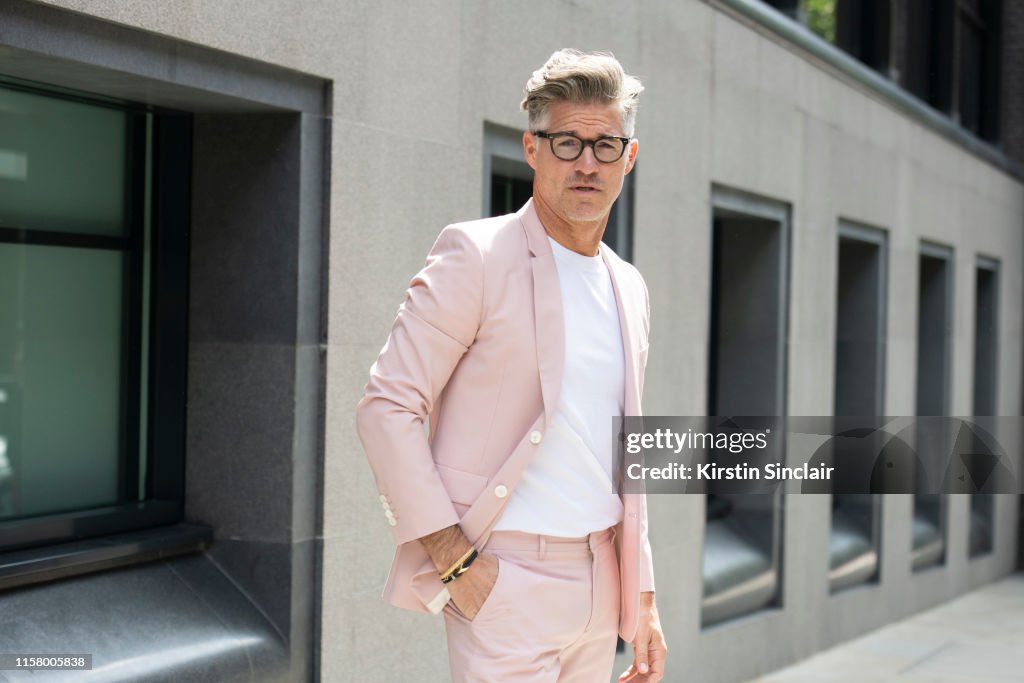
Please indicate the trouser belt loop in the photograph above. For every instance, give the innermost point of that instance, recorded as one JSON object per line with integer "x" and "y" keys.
{"x": 542, "y": 547}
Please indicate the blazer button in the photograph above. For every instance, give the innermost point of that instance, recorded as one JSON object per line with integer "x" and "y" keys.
{"x": 535, "y": 437}
{"x": 500, "y": 490}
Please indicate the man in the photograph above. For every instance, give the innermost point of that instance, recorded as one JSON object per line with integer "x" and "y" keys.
{"x": 520, "y": 339}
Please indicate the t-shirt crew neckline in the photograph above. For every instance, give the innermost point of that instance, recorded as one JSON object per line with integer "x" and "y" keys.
{"x": 577, "y": 260}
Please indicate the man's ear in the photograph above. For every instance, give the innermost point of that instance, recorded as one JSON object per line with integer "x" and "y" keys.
{"x": 634, "y": 145}
{"x": 530, "y": 149}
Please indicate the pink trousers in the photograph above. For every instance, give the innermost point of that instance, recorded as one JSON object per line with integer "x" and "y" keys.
{"x": 553, "y": 614}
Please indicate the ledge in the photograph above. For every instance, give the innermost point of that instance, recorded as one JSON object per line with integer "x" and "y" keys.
{"x": 35, "y": 565}
{"x": 177, "y": 619}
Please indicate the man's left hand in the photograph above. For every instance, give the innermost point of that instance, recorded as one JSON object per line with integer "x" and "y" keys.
{"x": 649, "y": 649}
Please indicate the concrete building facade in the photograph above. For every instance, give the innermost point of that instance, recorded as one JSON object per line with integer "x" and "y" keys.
{"x": 329, "y": 142}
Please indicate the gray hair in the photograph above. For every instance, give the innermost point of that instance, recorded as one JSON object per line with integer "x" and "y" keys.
{"x": 575, "y": 76}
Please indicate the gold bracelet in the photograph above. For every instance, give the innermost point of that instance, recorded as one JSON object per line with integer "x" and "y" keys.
{"x": 459, "y": 567}
{"x": 458, "y": 563}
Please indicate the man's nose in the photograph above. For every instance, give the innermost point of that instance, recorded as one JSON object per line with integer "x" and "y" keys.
{"x": 587, "y": 162}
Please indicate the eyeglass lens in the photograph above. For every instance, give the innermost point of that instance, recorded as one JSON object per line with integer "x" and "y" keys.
{"x": 570, "y": 147}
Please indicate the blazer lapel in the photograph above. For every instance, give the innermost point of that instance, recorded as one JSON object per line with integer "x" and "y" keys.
{"x": 547, "y": 307}
{"x": 629, "y": 323}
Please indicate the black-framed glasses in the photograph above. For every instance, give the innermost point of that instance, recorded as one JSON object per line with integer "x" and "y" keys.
{"x": 568, "y": 147}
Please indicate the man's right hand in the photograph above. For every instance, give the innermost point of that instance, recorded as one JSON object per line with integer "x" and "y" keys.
{"x": 470, "y": 590}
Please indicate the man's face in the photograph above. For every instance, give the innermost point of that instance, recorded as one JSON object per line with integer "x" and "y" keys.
{"x": 580, "y": 191}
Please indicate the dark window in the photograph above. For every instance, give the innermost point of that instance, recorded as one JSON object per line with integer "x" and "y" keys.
{"x": 862, "y": 30}
{"x": 929, "y": 51}
{"x": 618, "y": 234}
{"x": 743, "y": 534}
{"x": 986, "y": 337}
{"x": 951, "y": 59}
{"x": 93, "y": 218}
{"x": 934, "y": 330}
{"x": 978, "y": 74}
{"x": 855, "y": 543}
{"x": 923, "y": 58}
{"x": 508, "y": 193}
{"x": 860, "y": 321}
{"x": 934, "y": 353}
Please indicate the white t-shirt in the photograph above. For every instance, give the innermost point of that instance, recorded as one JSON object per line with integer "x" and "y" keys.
{"x": 567, "y": 488}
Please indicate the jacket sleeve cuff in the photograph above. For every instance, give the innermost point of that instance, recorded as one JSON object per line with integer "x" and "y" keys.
{"x": 411, "y": 527}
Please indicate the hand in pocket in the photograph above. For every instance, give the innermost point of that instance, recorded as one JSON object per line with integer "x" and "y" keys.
{"x": 471, "y": 590}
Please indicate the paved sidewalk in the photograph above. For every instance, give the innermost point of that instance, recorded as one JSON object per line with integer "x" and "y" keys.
{"x": 976, "y": 638}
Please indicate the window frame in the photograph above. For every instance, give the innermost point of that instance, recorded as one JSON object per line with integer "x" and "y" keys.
{"x": 157, "y": 155}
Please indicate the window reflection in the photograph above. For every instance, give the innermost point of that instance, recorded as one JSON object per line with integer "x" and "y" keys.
{"x": 821, "y": 17}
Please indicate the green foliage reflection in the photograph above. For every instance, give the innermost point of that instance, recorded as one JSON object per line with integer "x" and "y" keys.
{"x": 821, "y": 17}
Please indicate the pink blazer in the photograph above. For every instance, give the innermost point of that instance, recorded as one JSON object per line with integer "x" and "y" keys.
{"x": 478, "y": 346}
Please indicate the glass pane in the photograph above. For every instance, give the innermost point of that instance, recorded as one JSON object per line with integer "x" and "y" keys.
{"x": 971, "y": 76}
{"x": 821, "y": 17}
{"x": 60, "y": 378}
{"x": 62, "y": 165}
{"x": 508, "y": 194}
